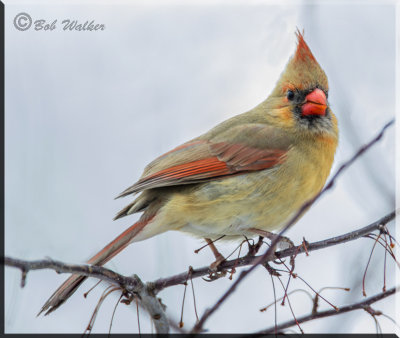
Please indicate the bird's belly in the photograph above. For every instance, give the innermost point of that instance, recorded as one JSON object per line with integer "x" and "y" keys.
{"x": 232, "y": 205}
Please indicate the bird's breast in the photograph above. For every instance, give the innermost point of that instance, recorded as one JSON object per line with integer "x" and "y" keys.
{"x": 263, "y": 199}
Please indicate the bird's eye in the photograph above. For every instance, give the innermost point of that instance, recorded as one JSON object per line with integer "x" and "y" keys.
{"x": 290, "y": 95}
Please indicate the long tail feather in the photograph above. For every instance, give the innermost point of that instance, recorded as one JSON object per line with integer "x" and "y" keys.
{"x": 101, "y": 258}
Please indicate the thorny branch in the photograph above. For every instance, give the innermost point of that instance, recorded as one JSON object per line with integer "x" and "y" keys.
{"x": 198, "y": 327}
{"x": 365, "y": 305}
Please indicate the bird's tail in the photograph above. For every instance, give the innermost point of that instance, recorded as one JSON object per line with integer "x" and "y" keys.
{"x": 101, "y": 258}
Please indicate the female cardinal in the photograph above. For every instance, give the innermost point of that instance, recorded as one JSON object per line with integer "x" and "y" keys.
{"x": 246, "y": 176}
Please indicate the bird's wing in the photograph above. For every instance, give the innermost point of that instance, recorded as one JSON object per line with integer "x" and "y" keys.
{"x": 241, "y": 149}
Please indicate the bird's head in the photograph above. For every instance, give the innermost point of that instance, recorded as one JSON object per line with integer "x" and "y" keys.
{"x": 300, "y": 97}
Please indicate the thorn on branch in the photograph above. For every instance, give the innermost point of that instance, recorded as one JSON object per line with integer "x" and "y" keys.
{"x": 305, "y": 246}
{"x": 254, "y": 248}
{"x": 371, "y": 311}
{"x": 23, "y": 277}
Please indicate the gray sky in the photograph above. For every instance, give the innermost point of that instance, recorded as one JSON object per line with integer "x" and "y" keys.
{"x": 86, "y": 111}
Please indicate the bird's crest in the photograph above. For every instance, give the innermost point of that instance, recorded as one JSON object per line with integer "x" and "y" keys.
{"x": 303, "y": 52}
{"x": 302, "y": 71}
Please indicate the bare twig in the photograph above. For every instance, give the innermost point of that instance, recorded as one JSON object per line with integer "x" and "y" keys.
{"x": 290, "y": 305}
{"x": 163, "y": 283}
{"x": 275, "y": 309}
{"x": 293, "y": 219}
{"x": 356, "y": 306}
{"x": 366, "y": 268}
{"x": 113, "y": 314}
{"x": 132, "y": 284}
{"x": 92, "y": 320}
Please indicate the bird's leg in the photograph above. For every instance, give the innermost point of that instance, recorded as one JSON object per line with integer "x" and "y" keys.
{"x": 218, "y": 257}
{"x": 271, "y": 236}
{"x": 214, "y": 273}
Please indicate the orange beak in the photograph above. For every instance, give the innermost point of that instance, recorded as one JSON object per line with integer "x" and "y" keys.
{"x": 315, "y": 103}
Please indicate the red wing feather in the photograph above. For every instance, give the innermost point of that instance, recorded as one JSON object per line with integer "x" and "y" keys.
{"x": 207, "y": 167}
{"x": 224, "y": 159}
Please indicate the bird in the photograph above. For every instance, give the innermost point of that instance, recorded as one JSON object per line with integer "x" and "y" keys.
{"x": 245, "y": 177}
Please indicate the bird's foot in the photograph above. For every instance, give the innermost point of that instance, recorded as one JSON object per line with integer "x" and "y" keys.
{"x": 215, "y": 272}
{"x": 214, "y": 275}
{"x": 218, "y": 257}
{"x": 271, "y": 270}
{"x": 286, "y": 243}
{"x": 218, "y": 260}
{"x": 283, "y": 243}
{"x": 285, "y": 240}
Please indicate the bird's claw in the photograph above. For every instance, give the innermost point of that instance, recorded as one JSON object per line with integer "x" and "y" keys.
{"x": 214, "y": 275}
{"x": 271, "y": 270}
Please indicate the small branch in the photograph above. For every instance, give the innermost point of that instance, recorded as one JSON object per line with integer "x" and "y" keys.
{"x": 132, "y": 284}
{"x": 163, "y": 283}
{"x": 83, "y": 270}
{"x": 350, "y": 236}
{"x": 356, "y": 306}
{"x": 198, "y": 327}
{"x": 155, "y": 309}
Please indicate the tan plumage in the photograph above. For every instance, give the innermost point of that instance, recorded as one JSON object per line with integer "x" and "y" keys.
{"x": 252, "y": 171}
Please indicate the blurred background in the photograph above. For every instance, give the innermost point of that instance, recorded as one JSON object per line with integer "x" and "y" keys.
{"x": 86, "y": 111}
